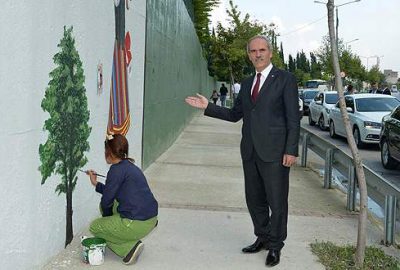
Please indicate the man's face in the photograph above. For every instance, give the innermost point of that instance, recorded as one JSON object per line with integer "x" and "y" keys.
{"x": 259, "y": 54}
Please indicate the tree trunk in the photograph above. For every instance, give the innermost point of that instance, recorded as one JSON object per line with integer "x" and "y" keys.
{"x": 362, "y": 217}
{"x": 69, "y": 230}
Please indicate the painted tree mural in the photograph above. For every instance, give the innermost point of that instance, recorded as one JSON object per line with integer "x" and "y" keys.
{"x": 68, "y": 130}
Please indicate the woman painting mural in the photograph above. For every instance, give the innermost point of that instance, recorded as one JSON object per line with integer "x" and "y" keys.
{"x": 128, "y": 206}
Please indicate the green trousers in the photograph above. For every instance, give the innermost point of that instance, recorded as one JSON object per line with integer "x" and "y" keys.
{"x": 121, "y": 234}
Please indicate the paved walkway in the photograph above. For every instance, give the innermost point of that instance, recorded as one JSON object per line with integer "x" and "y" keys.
{"x": 203, "y": 220}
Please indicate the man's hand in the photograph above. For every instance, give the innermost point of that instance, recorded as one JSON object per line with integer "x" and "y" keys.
{"x": 288, "y": 160}
{"x": 199, "y": 102}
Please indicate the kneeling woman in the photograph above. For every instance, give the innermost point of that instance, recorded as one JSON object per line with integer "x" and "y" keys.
{"x": 128, "y": 206}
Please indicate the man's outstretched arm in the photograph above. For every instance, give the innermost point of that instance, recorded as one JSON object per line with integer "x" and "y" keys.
{"x": 212, "y": 110}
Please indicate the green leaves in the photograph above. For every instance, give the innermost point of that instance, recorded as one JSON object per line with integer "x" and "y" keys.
{"x": 374, "y": 75}
{"x": 202, "y": 10}
{"x": 349, "y": 62}
{"x": 227, "y": 49}
{"x": 336, "y": 257}
{"x": 66, "y": 103}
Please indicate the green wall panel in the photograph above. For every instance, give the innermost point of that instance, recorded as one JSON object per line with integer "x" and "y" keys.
{"x": 174, "y": 69}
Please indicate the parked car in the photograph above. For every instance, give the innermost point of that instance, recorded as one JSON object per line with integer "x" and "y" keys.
{"x": 300, "y": 91}
{"x": 395, "y": 92}
{"x": 301, "y": 108}
{"x": 320, "y": 108}
{"x": 390, "y": 140}
{"x": 308, "y": 96}
{"x": 365, "y": 114}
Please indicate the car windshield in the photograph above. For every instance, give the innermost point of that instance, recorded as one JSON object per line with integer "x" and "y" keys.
{"x": 309, "y": 94}
{"x": 376, "y": 104}
{"x": 331, "y": 98}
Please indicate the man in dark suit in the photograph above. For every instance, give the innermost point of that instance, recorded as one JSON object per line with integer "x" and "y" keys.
{"x": 268, "y": 103}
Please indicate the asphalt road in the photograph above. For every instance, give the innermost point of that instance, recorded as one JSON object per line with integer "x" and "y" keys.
{"x": 370, "y": 154}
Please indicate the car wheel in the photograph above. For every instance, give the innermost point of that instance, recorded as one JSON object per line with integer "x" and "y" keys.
{"x": 387, "y": 161}
{"x": 321, "y": 123}
{"x": 332, "y": 129}
{"x": 310, "y": 121}
{"x": 357, "y": 137}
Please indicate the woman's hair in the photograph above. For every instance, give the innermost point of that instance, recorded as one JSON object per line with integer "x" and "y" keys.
{"x": 117, "y": 145}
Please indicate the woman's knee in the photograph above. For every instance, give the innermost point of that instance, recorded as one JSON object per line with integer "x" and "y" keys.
{"x": 95, "y": 226}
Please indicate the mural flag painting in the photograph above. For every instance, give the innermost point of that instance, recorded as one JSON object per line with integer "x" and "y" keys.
{"x": 119, "y": 115}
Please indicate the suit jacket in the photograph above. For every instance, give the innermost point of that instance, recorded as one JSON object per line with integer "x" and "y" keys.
{"x": 271, "y": 125}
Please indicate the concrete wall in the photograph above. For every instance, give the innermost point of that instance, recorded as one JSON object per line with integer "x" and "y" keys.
{"x": 33, "y": 216}
{"x": 174, "y": 68}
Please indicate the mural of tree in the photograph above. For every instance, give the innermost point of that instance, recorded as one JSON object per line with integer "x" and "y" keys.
{"x": 68, "y": 130}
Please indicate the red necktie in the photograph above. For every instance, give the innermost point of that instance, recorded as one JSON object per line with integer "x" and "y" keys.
{"x": 256, "y": 88}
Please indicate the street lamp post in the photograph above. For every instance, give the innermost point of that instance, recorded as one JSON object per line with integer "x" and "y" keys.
{"x": 337, "y": 16}
{"x": 378, "y": 59}
{"x": 345, "y": 44}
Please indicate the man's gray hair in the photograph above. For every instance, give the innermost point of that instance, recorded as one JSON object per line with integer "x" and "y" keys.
{"x": 269, "y": 44}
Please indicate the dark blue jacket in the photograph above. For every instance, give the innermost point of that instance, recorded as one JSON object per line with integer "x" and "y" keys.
{"x": 127, "y": 184}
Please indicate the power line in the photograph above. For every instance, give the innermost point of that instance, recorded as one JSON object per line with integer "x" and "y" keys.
{"x": 304, "y": 26}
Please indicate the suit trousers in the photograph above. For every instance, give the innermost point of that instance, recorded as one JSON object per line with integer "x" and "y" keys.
{"x": 267, "y": 190}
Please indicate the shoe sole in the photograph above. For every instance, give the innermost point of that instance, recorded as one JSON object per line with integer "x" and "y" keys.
{"x": 136, "y": 254}
{"x": 272, "y": 265}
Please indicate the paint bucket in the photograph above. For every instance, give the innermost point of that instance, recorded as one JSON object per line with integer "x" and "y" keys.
{"x": 93, "y": 250}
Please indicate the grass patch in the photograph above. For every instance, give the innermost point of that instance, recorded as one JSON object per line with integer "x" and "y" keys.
{"x": 337, "y": 258}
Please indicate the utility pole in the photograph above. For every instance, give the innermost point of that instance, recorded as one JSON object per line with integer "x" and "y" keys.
{"x": 337, "y": 17}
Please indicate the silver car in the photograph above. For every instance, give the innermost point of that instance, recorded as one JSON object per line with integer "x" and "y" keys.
{"x": 365, "y": 113}
{"x": 320, "y": 108}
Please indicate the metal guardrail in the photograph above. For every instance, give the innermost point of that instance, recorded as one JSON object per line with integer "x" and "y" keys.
{"x": 384, "y": 193}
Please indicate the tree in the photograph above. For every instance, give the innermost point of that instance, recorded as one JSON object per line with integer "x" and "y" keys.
{"x": 202, "y": 11}
{"x": 374, "y": 75}
{"x": 362, "y": 217}
{"x": 291, "y": 64}
{"x": 68, "y": 130}
{"x": 348, "y": 61}
{"x": 315, "y": 67}
{"x": 282, "y": 55}
{"x": 277, "y": 56}
{"x": 228, "y": 48}
{"x": 302, "y": 62}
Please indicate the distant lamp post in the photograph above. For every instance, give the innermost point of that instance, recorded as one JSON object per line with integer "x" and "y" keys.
{"x": 345, "y": 44}
{"x": 367, "y": 57}
{"x": 378, "y": 59}
{"x": 337, "y": 16}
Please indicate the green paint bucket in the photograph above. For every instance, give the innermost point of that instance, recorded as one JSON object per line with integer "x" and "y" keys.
{"x": 93, "y": 250}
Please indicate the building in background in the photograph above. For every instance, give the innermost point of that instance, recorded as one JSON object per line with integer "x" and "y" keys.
{"x": 391, "y": 76}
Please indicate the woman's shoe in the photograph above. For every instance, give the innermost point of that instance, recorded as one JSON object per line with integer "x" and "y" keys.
{"x": 133, "y": 255}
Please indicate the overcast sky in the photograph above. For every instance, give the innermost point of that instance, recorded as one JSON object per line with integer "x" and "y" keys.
{"x": 374, "y": 22}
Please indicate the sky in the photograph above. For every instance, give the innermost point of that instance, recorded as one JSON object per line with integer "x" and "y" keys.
{"x": 301, "y": 23}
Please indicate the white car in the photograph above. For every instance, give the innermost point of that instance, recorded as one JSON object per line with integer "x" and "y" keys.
{"x": 301, "y": 108}
{"x": 365, "y": 113}
{"x": 320, "y": 108}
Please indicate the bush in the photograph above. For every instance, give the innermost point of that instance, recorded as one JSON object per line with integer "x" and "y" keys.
{"x": 337, "y": 258}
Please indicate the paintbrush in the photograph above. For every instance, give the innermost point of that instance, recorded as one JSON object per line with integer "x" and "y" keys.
{"x": 99, "y": 175}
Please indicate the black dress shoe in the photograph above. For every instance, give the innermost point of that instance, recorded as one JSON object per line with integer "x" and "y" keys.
{"x": 273, "y": 257}
{"x": 255, "y": 247}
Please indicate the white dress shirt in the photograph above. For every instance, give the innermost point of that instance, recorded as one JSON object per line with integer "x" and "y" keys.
{"x": 264, "y": 75}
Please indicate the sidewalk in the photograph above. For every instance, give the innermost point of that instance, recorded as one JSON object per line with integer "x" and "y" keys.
{"x": 203, "y": 220}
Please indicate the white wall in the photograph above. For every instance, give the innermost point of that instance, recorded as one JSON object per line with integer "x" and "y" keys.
{"x": 32, "y": 216}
